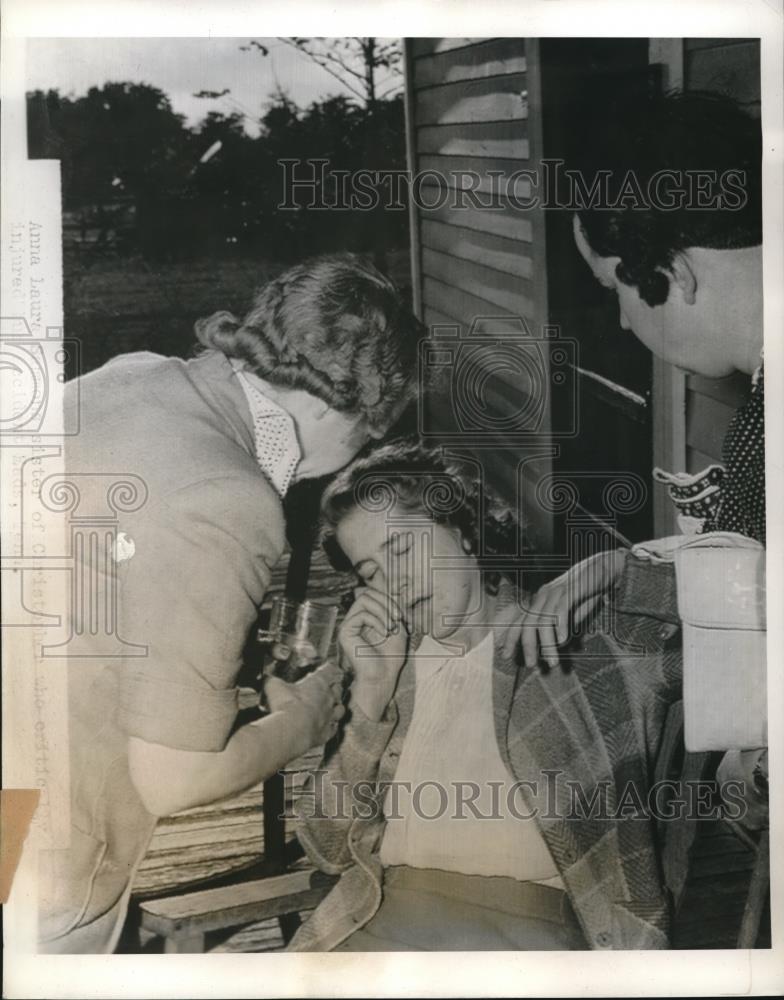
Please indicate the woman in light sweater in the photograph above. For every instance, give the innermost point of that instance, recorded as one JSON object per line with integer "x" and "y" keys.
{"x": 195, "y": 457}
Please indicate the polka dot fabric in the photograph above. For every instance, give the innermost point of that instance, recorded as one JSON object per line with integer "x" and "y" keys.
{"x": 741, "y": 505}
{"x": 696, "y": 496}
{"x": 728, "y": 497}
{"x": 277, "y": 448}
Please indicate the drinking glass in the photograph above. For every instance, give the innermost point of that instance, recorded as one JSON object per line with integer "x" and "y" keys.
{"x": 298, "y": 638}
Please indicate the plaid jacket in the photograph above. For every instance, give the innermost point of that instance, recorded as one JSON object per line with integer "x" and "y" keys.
{"x": 597, "y": 722}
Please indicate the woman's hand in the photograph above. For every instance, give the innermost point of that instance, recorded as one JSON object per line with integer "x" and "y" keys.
{"x": 567, "y": 601}
{"x": 314, "y": 704}
{"x": 373, "y": 620}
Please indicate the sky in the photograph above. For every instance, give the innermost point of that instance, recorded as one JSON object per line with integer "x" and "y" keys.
{"x": 181, "y": 67}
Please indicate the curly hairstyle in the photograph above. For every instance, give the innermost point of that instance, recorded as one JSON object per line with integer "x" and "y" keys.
{"x": 421, "y": 480}
{"x": 333, "y": 326}
{"x": 680, "y": 132}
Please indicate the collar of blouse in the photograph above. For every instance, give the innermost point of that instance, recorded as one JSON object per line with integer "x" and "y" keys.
{"x": 275, "y": 438}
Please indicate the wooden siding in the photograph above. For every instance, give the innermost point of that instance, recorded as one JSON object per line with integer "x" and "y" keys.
{"x": 469, "y": 126}
{"x": 434, "y": 46}
{"x": 469, "y": 119}
{"x": 479, "y": 60}
{"x": 500, "y": 220}
{"x": 505, "y": 140}
{"x": 494, "y": 251}
{"x": 495, "y": 99}
{"x": 484, "y": 282}
{"x": 474, "y": 120}
{"x": 472, "y": 123}
{"x": 462, "y": 307}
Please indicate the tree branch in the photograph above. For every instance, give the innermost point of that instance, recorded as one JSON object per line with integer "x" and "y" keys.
{"x": 396, "y": 86}
{"x": 336, "y": 59}
{"x": 300, "y": 48}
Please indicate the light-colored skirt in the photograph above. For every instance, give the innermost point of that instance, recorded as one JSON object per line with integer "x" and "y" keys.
{"x": 425, "y": 909}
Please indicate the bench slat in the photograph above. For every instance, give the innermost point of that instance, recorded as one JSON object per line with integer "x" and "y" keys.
{"x": 228, "y": 906}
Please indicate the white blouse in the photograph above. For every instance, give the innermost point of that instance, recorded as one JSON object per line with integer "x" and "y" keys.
{"x": 450, "y": 756}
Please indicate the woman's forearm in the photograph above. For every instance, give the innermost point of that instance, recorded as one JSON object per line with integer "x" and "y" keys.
{"x": 325, "y": 810}
{"x": 372, "y": 699}
{"x": 171, "y": 780}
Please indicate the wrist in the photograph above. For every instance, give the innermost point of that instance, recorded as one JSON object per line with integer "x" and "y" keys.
{"x": 289, "y": 724}
{"x": 371, "y": 699}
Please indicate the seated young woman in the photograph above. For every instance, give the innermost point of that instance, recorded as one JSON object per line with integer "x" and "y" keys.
{"x": 471, "y": 802}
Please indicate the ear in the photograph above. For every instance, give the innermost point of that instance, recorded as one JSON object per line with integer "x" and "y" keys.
{"x": 461, "y": 539}
{"x": 683, "y": 277}
{"x": 319, "y": 408}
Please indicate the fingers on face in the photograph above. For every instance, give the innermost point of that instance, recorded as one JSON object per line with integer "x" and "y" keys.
{"x": 366, "y": 628}
{"x": 371, "y": 622}
{"x": 382, "y": 604}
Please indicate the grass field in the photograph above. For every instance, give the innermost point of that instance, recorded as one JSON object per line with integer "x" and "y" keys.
{"x": 115, "y": 304}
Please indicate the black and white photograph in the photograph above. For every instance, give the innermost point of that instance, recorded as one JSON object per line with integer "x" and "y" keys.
{"x": 386, "y": 514}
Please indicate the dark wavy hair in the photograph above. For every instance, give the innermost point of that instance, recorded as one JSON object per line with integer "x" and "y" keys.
{"x": 695, "y": 131}
{"x": 333, "y": 326}
{"x": 421, "y": 480}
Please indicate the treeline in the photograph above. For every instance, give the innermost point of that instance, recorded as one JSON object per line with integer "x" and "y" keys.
{"x": 136, "y": 180}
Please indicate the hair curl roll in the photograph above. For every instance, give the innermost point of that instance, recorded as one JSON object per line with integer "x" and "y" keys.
{"x": 333, "y": 326}
{"x": 421, "y": 480}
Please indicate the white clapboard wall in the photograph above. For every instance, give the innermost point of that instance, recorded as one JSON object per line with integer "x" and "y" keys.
{"x": 475, "y": 104}
{"x": 472, "y": 105}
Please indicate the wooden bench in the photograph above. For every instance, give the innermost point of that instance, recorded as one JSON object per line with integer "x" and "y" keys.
{"x": 183, "y": 921}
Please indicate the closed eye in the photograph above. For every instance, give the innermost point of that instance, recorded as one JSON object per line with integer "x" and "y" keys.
{"x": 402, "y": 544}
